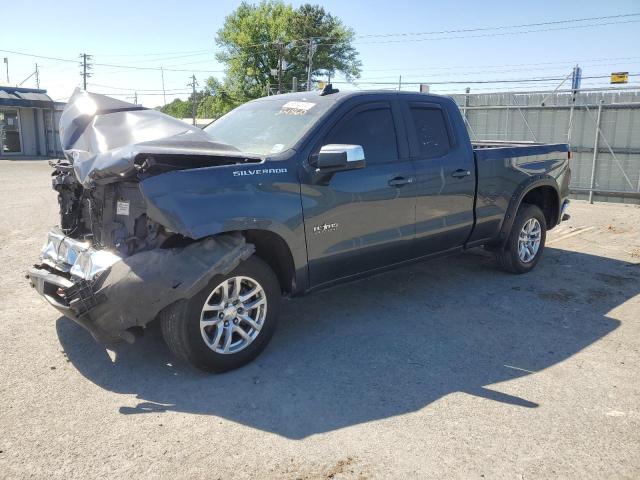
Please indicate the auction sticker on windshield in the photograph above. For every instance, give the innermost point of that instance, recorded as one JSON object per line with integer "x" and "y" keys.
{"x": 296, "y": 108}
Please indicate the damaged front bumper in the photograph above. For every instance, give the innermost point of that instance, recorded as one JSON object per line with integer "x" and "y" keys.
{"x": 109, "y": 294}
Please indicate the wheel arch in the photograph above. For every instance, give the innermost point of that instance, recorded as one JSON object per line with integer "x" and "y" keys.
{"x": 547, "y": 199}
{"x": 275, "y": 251}
{"x": 542, "y": 191}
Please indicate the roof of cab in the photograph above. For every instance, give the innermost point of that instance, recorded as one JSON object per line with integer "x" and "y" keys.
{"x": 316, "y": 96}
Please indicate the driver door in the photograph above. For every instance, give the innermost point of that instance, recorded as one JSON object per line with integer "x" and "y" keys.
{"x": 364, "y": 219}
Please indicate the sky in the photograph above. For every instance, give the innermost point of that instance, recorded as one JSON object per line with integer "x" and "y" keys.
{"x": 390, "y": 38}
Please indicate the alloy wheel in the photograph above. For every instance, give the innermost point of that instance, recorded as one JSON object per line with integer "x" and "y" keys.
{"x": 233, "y": 315}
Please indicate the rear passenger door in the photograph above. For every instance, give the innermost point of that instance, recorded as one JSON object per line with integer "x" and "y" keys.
{"x": 445, "y": 178}
{"x": 363, "y": 219}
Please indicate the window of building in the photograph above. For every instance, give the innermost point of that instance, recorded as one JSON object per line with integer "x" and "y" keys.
{"x": 10, "y": 132}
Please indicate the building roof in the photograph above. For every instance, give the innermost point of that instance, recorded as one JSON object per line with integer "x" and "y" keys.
{"x": 24, "y": 97}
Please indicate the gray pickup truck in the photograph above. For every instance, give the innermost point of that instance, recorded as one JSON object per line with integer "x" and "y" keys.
{"x": 207, "y": 229}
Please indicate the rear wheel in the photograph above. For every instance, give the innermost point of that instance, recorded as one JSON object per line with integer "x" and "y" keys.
{"x": 229, "y": 322}
{"x": 525, "y": 244}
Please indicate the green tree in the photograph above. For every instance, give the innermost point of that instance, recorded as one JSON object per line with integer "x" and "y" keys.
{"x": 332, "y": 43}
{"x": 247, "y": 40}
{"x": 254, "y": 38}
{"x": 178, "y": 108}
{"x": 217, "y": 99}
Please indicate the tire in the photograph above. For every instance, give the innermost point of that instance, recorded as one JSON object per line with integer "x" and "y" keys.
{"x": 199, "y": 343}
{"x": 510, "y": 257}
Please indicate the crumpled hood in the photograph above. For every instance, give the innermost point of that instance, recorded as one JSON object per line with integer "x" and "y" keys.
{"x": 103, "y": 136}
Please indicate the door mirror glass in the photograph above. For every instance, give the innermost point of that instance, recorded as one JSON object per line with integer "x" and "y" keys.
{"x": 339, "y": 157}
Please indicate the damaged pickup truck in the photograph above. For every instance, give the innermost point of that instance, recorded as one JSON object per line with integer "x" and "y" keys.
{"x": 206, "y": 230}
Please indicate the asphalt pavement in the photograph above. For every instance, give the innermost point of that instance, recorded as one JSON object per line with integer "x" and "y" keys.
{"x": 444, "y": 369}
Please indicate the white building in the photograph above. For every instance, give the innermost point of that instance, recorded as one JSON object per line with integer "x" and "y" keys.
{"x": 28, "y": 123}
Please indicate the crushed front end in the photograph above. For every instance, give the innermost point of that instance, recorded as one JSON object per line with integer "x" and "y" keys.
{"x": 68, "y": 276}
{"x": 110, "y": 294}
{"x": 108, "y": 265}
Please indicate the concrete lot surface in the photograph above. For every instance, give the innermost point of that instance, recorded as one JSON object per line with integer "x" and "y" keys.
{"x": 448, "y": 369}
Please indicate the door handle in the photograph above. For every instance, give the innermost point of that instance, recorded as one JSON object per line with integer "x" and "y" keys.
{"x": 461, "y": 173}
{"x": 400, "y": 181}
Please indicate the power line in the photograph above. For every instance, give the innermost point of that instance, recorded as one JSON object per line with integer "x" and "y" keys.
{"x": 139, "y": 90}
{"x": 436, "y": 32}
{"x": 463, "y": 82}
{"x": 304, "y": 41}
{"x": 162, "y": 59}
{"x": 379, "y": 35}
{"x": 481, "y": 72}
{"x": 456, "y": 67}
{"x": 359, "y": 83}
{"x": 406, "y": 36}
{"x": 187, "y": 52}
{"x": 496, "y": 34}
{"x": 130, "y": 67}
{"x": 501, "y": 27}
{"x": 128, "y": 94}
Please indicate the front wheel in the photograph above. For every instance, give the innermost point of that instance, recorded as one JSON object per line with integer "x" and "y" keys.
{"x": 525, "y": 244}
{"x": 229, "y": 322}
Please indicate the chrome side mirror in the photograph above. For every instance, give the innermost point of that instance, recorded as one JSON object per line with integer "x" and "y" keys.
{"x": 339, "y": 157}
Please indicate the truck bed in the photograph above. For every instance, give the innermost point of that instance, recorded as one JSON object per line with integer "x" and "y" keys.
{"x": 500, "y": 149}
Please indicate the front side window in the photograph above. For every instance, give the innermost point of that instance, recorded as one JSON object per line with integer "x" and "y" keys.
{"x": 431, "y": 131}
{"x": 373, "y": 130}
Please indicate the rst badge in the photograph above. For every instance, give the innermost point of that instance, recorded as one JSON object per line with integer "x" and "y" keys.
{"x": 325, "y": 227}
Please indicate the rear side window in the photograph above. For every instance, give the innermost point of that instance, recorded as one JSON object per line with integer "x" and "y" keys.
{"x": 431, "y": 131}
{"x": 373, "y": 130}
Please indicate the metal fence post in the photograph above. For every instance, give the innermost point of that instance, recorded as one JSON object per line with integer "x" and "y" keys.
{"x": 466, "y": 102}
{"x": 571, "y": 113}
{"x": 506, "y": 122}
{"x": 595, "y": 153}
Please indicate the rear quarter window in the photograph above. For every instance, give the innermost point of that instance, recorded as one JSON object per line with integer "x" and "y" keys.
{"x": 431, "y": 131}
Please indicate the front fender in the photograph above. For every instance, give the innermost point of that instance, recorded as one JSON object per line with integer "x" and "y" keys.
{"x": 201, "y": 202}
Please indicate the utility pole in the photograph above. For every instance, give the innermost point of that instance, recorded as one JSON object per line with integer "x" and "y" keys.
{"x": 37, "y": 77}
{"x": 86, "y": 66}
{"x": 400, "y": 83}
{"x": 32, "y": 74}
{"x": 193, "y": 84}
{"x": 294, "y": 84}
{"x": 312, "y": 51}
{"x": 6, "y": 62}
{"x": 280, "y": 46}
{"x": 164, "y": 94}
{"x": 134, "y": 98}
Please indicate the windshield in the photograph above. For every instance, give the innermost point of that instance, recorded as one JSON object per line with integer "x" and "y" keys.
{"x": 268, "y": 126}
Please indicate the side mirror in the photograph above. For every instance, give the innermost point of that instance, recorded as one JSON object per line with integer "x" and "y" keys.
{"x": 338, "y": 157}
